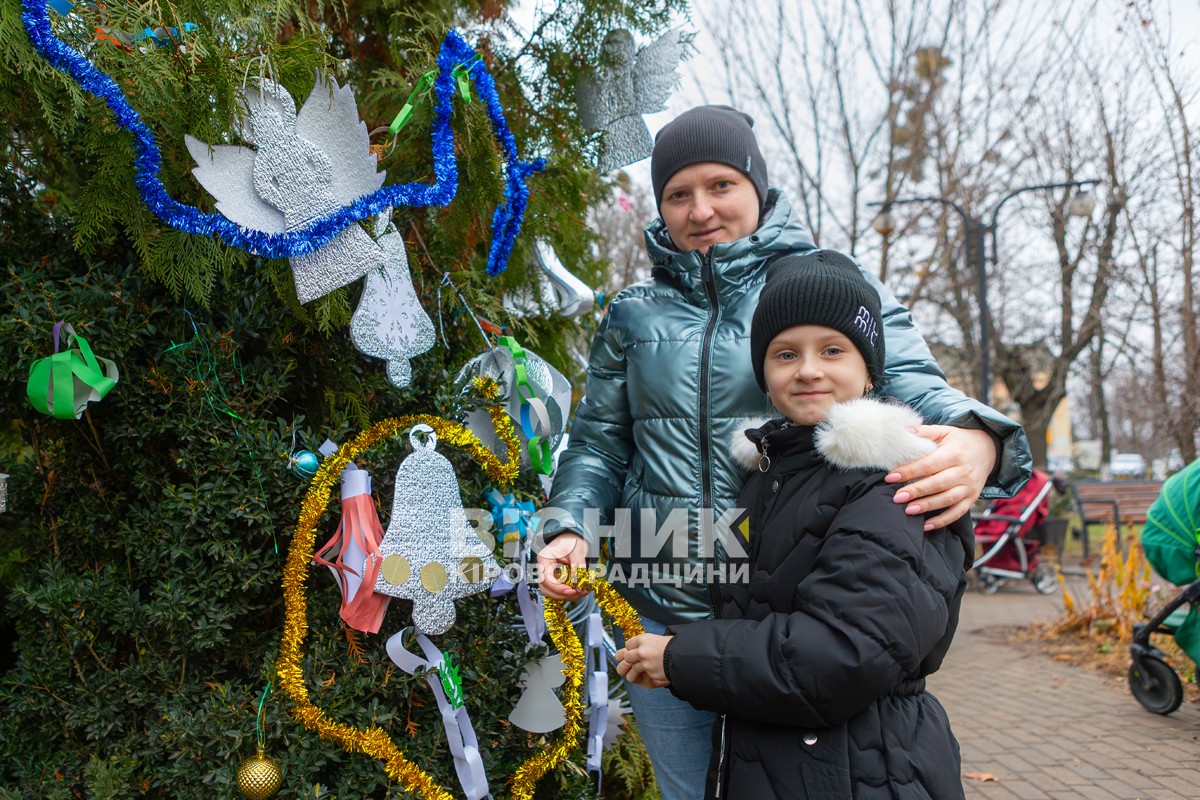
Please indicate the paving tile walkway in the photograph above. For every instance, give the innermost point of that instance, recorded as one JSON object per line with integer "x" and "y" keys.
{"x": 1052, "y": 731}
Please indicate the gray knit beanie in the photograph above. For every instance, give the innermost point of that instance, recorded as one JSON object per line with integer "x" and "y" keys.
{"x": 826, "y": 288}
{"x": 708, "y": 133}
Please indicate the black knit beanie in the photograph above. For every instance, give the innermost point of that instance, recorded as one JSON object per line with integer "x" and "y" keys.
{"x": 708, "y": 133}
{"x": 818, "y": 288}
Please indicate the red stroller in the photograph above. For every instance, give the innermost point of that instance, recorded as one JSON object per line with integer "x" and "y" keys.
{"x": 1001, "y": 535}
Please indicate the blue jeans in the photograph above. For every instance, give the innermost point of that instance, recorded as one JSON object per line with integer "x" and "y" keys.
{"x": 677, "y": 736}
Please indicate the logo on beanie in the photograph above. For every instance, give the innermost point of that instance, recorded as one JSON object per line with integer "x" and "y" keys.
{"x": 866, "y": 323}
{"x": 749, "y": 161}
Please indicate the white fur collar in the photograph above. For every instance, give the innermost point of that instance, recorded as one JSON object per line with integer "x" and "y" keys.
{"x": 861, "y": 434}
{"x": 744, "y": 451}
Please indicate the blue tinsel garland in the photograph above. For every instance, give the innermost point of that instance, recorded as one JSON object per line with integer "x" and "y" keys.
{"x": 506, "y": 223}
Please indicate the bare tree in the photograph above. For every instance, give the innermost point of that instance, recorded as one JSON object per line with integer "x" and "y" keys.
{"x": 1175, "y": 360}
{"x": 960, "y": 102}
{"x": 620, "y": 240}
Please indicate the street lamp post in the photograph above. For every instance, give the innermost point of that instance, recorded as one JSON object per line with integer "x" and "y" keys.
{"x": 975, "y": 235}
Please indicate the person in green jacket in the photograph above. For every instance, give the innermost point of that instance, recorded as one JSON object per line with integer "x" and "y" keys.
{"x": 670, "y": 378}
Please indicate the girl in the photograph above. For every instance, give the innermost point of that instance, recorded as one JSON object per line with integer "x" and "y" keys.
{"x": 817, "y": 663}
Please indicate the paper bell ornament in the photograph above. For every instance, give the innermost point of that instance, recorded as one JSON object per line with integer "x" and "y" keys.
{"x": 628, "y": 83}
{"x": 390, "y": 322}
{"x": 557, "y": 291}
{"x": 63, "y": 384}
{"x": 431, "y": 554}
{"x": 539, "y": 710}
{"x": 304, "y": 166}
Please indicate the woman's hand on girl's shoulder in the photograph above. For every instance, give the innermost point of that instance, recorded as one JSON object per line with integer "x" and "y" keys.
{"x": 950, "y": 478}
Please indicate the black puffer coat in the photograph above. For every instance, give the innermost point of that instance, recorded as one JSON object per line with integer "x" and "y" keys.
{"x": 818, "y": 661}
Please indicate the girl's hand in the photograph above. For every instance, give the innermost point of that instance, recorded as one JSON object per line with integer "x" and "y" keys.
{"x": 640, "y": 661}
{"x": 950, "y": 478}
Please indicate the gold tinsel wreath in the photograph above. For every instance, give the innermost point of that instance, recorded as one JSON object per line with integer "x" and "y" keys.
{"x": 374, "y": 741}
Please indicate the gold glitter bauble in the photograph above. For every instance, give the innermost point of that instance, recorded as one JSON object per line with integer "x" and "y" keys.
{"x": 259, "y": 777}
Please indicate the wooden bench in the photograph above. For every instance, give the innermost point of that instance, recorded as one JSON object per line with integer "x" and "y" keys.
{"x": 1112, "y": 502}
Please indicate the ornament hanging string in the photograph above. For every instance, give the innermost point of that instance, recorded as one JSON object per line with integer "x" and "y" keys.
{"x": 259, "y": 724}
{"x": 206, "y": 375}
{"x": 466, "y": 307}
{"x": 506, "y": 222}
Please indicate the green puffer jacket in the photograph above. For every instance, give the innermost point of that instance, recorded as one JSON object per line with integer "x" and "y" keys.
{"x": 669, "y": 381}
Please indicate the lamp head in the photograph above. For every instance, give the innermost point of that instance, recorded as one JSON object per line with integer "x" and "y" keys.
{"x": 884, "y": 223}
{"x": 1082, "y": 204}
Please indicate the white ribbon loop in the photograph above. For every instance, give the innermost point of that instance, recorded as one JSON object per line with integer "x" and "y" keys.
{"x": 460, "y": 734}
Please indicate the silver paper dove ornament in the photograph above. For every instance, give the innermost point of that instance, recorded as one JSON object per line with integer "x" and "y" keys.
{"x": 431, "y": 554}
{"x": 557, "y": 290}
{"x": 626, "y": 84}
{"x": 390, "y": 322}
{"x": 303, "y": 166}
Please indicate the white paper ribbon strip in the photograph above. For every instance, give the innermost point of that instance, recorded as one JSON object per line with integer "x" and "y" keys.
{"x": 597, "y": 666}
{"x": 460, "y": 735}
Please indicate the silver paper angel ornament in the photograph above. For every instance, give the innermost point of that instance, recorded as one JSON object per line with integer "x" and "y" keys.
{"x": 303, "y": 167}
{"x": 390, "y": 322}
{"x": 628, "y": 83}
{"x": 431, "y": 554}
{"x": 539, "y": 710}
{"x": 557, "y": 292}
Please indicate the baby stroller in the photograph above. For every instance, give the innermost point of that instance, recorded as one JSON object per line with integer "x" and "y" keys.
{"x": 1001, "y": 535}
{"x": 1171, "y": 539}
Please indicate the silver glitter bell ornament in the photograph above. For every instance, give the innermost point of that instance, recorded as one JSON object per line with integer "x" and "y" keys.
{"x": 259, "y": 777}
{"x": 390, "y": 322}
{"x": 431, "y": 554}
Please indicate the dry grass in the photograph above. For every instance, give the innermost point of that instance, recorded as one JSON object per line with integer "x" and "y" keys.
{"x": 1097, "y": 626}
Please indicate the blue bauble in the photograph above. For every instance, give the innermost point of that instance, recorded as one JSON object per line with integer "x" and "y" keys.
{"x": 304, "y": 463}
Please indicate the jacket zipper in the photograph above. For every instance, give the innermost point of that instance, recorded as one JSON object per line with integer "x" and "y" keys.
{"x": 710, "y": 288}
{"x": 720, "y": 761}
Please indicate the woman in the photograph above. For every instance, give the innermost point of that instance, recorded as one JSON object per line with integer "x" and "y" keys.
{"x": 670, "y": 375}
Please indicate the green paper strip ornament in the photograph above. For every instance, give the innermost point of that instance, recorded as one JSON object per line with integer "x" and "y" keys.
{"x": 63, "y": 384}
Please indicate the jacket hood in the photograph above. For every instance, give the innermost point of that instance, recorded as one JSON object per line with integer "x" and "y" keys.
{"x": 865, "y": 433}
{"x": 733, "y": 263}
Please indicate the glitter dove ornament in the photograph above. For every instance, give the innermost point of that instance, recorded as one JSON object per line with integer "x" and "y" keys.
{"x": 390, "y": 322}
{"x": 431, "y": 554}
{"x": 303, "y": 166}
{"x": 628, "y": 83}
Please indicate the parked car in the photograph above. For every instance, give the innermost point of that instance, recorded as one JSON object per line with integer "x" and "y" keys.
{"x": 1127, "y": 465}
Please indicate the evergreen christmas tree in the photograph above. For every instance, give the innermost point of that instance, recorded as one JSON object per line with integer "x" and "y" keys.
{"x": 141, "y": 556}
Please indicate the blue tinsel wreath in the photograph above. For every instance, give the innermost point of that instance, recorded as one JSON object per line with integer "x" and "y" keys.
{"x": 506, "y": 223}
